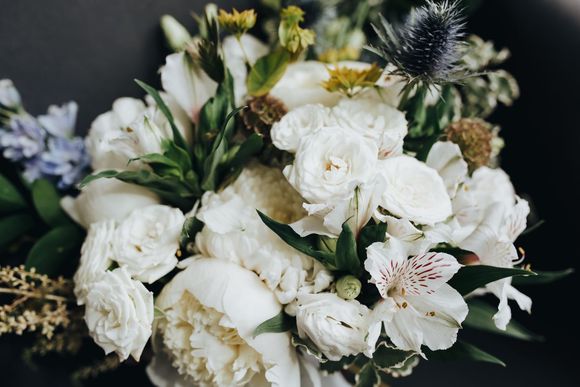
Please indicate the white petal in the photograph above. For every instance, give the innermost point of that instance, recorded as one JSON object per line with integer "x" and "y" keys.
{"x": 446, "y": 158}
{"x": 425, "y": 274}
{"x": 385, "y": 262}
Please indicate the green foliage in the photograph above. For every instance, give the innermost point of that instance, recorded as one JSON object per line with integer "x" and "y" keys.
{"x": 370, "y": 234}
{"x": 279, "y": 323}
{"x": 10, "y": 199}
{"x": 470, "y": 278}
{"x": 46, "y": 200}
{"x": 481, "y": 317}
{"x": 542, "y": 277}
{"x": 190, "y": 228}
{"x": 346, "y": 252}
{"x": 13, "y": 226}
{"x": 267, "y": 71}
{"x": 368, "y": 376}
{"x": 463, "y": 351}
{"x": 387, "y": 357}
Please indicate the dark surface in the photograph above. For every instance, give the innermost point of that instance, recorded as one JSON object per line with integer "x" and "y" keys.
{"x": 90, "y": 51}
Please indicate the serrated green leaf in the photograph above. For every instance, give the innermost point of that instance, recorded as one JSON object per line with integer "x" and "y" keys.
{"x": 13, "y": 226}
{"x": 346, "y": 252}
{"x": 463, "y": 351}
{"x": 309, "y": 347}
{"x": 387, "y": 357}
{"x": 542, "y": 277}
{"x": 56, "y": 250}
{"x": 368, "y": 376}
{"x": 267, "y": 71}
{"x": 47, "y": 203}
{"x": 470, "y": 278}
{"x": 277, "y": 324}
{"x": 481, "y": 317}
{"x": 177, "y": 136}
{"x": 10, "y": 199}
{"x": 304, "y": 245}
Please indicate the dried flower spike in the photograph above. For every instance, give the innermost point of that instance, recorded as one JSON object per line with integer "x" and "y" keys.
{"x": 237, "y": 23}
{"x": 349, "y": 81}
{"x": 428, "y": 46}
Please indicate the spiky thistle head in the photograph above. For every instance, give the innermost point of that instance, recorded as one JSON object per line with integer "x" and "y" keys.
{"x": 427, "y": 46}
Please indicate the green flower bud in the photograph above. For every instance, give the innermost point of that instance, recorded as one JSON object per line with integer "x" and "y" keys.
{"x": 293, "y": 37}
{"x": 348, "y": 287}
{"x": 175, "y": 33}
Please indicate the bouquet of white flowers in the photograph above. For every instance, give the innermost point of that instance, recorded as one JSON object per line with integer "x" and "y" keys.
{"x": 279, "y": 213}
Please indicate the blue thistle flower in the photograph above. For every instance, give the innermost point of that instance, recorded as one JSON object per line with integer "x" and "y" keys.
{"x": 427, "y": 47}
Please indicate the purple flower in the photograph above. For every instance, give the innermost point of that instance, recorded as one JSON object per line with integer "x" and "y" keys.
{"x": 21, "y": 138}
{"x": 66, "y": 159}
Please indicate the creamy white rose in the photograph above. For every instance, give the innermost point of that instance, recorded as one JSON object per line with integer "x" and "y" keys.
{"x": 106, "y": 199}
{"x": 119, "y": 314}
{"x": 300, "y": 122}
{"x": 207, "y": 329}
{"x": 379, "y": 122}
{"x": 96, "y": 257}
{"x": 414, "y": 191}
{"x": 147, "y": 240}
{"x": 337, "y": 327}
{"x": 330, "y": 163}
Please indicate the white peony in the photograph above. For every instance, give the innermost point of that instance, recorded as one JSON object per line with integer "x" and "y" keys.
{"x": 119, "y": 314}
{"x": 96, "y": 258}
{"x": 337, "y": 327}
{"x": 379, "y": 122}
{"x": 298, "y": 123}
{"x": 414, "y": 191}
{"x": 302, "y": 85}
{"x": 147, "y": 240}
{"x": 234, "y": 232}
{"x": 330, "y": 163}
{"x": 106, "y": 199}
{"x": 206, "y": 332}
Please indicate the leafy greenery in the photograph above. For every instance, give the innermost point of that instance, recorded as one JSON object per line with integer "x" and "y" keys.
{"x": 388, "y": 357}
{"x": 46, "y": 200}
{"x": 463, "y": 351}
{"x": 279, "y": 323}
{"x": 267, "y": 71}
{"x": 346, "y": 252}
{"x": 470, "y": 278}
{"x": 13, "y": 226}
{"x": 10, "y": 199}
{"x": 368, "y": 376}
{"x": 542, "y": 277}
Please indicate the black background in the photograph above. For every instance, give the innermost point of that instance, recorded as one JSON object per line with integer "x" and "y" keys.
{"x": 90, "y": 50}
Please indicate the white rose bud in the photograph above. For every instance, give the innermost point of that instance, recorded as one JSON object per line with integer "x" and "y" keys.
{"x": 146, "y": 242}
{"x": 175, "y": 33}
{"x": 119, "y": 314}
{"x": 337, "y": 327}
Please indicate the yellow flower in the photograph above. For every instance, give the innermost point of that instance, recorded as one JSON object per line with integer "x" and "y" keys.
{"x": 236, "y": 22}
{"x": 350, "y": 81}
{"x": 333, "y": 55}
{"x": 293, "y": 37}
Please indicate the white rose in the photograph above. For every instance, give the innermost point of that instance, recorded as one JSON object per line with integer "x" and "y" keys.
{"x": 147, "y": 240}
{"x": 300, "y": 122}
{"x": 379, "y": 122}
{"x": 337, "y": 327}
{"x": 119, "y": 314}
{"x": 446, "y": 158}
{"x": 107, "y": 199}
{"x": 96, "y": 257}
{"x": 235, "y": 59}
{"x": 330, "y": 163}
{"x": 302, "y": 85}
{"x": 414, "y": 191}
{"x": 207, "y": 329}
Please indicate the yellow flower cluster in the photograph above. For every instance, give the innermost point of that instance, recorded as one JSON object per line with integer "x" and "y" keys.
{"x": 349, "y": 81}
{"x": 236, "y": 22}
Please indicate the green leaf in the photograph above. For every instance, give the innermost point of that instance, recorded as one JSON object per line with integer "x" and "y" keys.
{"x": 13, "y": 226}
{"x": 481, "y": 317}
{"x": 309, "y": 347}
{"x": 47, "y": 203}
{"x": 247, "y": 150}
{"x": 279, "y": 323}
{"x": 463, "y": 351}
{"x": 470, "y": 278}
{"x": 387, "y": 357}
{"x": 267, "y": 71}
{"x": 368, "y": 376}
{"x": 304, "y": 245}
{"x": 161, "y": 164}
{"x": 178, "y": 155}
{"x": 542, "y": 277}
{"x": 190, "y": 228}
{"x": 55, "y": 250}
{"x": 346, "y": 252}
{"x": 10, "y": 198}
{"x": 177, "y": 137}
{"x": 370, "y": 234}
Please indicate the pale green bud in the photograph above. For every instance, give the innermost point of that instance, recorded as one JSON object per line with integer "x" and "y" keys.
{"x": 327, "y": 244}
{"x": 348, "y": 287}
{"x": 175, "y": 33}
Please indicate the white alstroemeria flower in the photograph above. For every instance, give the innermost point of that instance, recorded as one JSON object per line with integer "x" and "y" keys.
{"x": 337, "y": 327}
{"x": 9, "y": 95}
{"x": 106, "y": 199}
{"x": 302, "y": 85}
{"x": 445, "y": 157}
{"x": 298, "y": 123}
{"x": 380, "y": 123}
{"x": 187, "y": 83}
{"x": 234, "y": 232}
{"x": 96, "y": 257}
{"x": 235, "y": 58}
{"x": 119, "y": 314}
{"x": 330, "y": 164}
{"x": 418, "y": 306}
{"x": 206, "y": 331}
{"x": 146, "y": 242}
{"x": 414, "y": 191}
{"x": 492, "y": 242}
